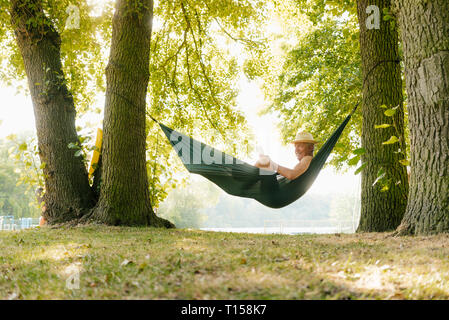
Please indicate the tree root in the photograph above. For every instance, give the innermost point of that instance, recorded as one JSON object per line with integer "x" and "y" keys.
{"x": 99, "y": 215}
{"x": 403, "y": 230}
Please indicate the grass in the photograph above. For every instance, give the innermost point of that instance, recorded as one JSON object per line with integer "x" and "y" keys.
{"x": 149, "y": 263}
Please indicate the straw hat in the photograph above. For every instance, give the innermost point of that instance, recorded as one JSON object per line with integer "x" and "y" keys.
{"x": 304, "y": 136}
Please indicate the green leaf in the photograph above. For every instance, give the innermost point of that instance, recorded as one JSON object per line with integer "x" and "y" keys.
{"x": 359, "y": 151}
{"x": 380, "y": 171}
{"x": 390, "y": 112}
{"x": 359, "y": 169}
{"x": 382, "y": 126}
{"x": 393, "y": 139}
{"x": 404, "y": 162}
{"x": 72, "y": 145}
{"x": 353, "y": 161}
{"x": 23, "y": 146}
{"x": 383, "y": 106}
{"x": 379, "y": 178}
{"x": 78, "y": 153}
{"x": 392, "y": 24}
{"x": 11, "y": 137}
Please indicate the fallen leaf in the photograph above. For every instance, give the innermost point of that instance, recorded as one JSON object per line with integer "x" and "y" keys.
{"x": 13, "y": 296}
{"x": 385, "y": 267}
{"x": 126, "y": 262}
{"x": 142, "y": 266}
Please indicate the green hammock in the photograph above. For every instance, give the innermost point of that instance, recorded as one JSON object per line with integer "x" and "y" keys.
{"x": 241, "y": 179}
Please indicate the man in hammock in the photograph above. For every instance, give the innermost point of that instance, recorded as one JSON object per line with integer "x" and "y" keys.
{"x": 304, "y": 147}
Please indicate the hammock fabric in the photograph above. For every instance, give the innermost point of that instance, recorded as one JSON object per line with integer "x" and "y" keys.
{"x": 241, "y": 179}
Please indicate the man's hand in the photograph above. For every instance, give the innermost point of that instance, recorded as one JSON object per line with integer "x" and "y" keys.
{"x": 266, "y": 163}
{"x": 273, "y": 166}
{"x": 264, "y": 160}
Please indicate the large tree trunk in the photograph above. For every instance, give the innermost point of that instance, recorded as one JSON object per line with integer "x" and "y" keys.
{"x": 67, "y": 190}
{"x": 124, "y": 196}
{"x": 382, "y": 85}
{"x": 425, "y": 37}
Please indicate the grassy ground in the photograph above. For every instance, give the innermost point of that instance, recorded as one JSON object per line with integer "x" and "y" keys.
{"x": 148, "y": 263}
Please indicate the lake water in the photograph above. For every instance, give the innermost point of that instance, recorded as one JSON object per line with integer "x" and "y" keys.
{"x": 284, "y": 230}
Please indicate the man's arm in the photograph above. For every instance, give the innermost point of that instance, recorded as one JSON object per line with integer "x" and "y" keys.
{"x": 298, "y": 170}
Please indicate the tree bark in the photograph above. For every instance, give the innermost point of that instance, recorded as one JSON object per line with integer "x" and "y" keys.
{"x": 382, "y": 85}
{"x": 67, "y": 190}
{"x": 124, "y": 195}
{"x": 425, "y": 38}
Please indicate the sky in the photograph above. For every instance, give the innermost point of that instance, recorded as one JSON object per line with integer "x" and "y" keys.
{"x": 16, "y": 112}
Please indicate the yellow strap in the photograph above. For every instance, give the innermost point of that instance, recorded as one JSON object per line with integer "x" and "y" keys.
{"x": 96, "y": 154}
